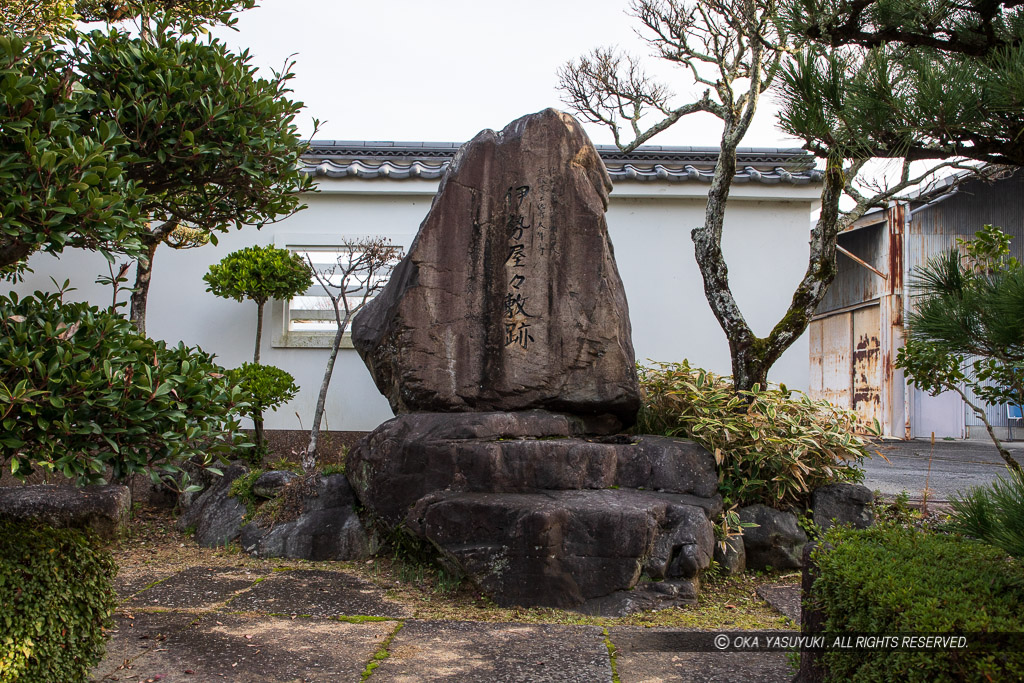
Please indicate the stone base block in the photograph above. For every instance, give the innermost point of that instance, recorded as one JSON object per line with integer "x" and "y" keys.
{"x": 537, "y": 512}
{"x": 102, "y": 509}
{"x": 413, "y": 455}
{"x": 564, "y": 548}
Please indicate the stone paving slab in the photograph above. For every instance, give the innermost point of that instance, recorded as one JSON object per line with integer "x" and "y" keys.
{"x": 127, "y": 586}
{"x": 784, "y": 597}
{"x": 243, "y": 649}
{"x": 136, "y": 634}
{"x": 468, "y": 652}
{"x": 229, "y": 624}
{"x": 645, "y": 655}
{"x": 195, "y": 588}
{"x": 316, "y": 593}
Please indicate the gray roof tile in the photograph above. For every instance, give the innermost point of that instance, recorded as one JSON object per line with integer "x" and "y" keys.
{"x": 653, "y": 163}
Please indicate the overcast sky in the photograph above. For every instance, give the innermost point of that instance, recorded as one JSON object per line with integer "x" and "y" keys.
{"x": 441, "y": 70}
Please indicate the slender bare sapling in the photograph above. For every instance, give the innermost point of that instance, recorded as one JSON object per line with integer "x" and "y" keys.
{"x": 357, "y": 276}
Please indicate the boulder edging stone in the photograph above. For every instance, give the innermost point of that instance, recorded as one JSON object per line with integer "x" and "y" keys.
{"x": 103, "y": 509}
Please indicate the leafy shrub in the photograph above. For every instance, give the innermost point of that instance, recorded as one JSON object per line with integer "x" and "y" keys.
{"x": 212, "y": 143}
{"x": 772, "y": 446}
{"x": 260, "y": 274}
{"x": 264, "y": 387}
{"x": 81, "y": 390}
{"x": 63, "y": 184}
{"x": 55, "y": 600}
{"x": 889, "y": 580}
{"x": 994, "y": 514}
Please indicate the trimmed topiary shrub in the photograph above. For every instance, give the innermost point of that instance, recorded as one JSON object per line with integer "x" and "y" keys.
{"x": 259, "y": 273}
{"x": 772, "y": 446}
{"x": 55, "y": 600}
{"x": 891, "y": 580}
{"x": 264, "y": 387}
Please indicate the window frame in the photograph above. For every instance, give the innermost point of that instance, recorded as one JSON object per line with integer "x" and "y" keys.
{"x": 285, "y": 338}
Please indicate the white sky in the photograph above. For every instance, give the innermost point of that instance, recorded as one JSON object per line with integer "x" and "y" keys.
{"x": 442, "y": 70}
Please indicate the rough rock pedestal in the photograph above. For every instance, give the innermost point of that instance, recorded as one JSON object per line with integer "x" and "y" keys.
{"x": 535, "y": 513}
{"x": 101, "y": 509}
{"x": 503, "y": 343}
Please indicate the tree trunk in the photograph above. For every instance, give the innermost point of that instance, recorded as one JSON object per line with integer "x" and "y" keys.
{"x": 748, "y": 367}
{"x": 309, "y": 459}
{"x": 12, "y": 251}
{"x": 140, "y": 297}
{"x": 257, "y": 425}
{"x": 259, "y": 330}
{"x": 753, "y": 356}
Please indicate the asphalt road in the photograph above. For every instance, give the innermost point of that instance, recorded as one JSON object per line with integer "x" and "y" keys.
{"x": 944, "y": 468}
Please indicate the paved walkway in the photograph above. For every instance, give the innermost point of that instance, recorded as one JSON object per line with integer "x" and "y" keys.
{"x": 202, "y": 624}
{"x": 945, "y": 467}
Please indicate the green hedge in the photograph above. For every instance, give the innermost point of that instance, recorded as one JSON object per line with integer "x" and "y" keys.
{"x": 891, "y": 580}
{"x": 56, "y": 598}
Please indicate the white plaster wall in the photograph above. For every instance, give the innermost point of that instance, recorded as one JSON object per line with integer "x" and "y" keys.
{"x": 766, "y": 248}
{"x": 765, "y": 244}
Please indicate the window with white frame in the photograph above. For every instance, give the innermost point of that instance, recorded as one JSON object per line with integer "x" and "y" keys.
{"x": 308, "y": 320}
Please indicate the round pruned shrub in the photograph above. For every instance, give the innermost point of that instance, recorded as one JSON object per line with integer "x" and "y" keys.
{"x": 56, "y": 598}
{"x": 259, "y": 273}
{"x": 891, "y": 580}
{"x": 772, "y": 445}
{"x": 264, "y": 387}
{"x": 81, "y": 390}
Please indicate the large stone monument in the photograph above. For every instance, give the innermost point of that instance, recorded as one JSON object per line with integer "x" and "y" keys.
{"x": 502, "y": 341}
{"x": 509, "y": 298}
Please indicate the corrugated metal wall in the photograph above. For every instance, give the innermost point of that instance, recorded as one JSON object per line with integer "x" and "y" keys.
{"x": 996, "y": 414}
{"x": 847, "y": 341}
{"x": 855, "y": 284}
{"x": 845, "y": 363}
{"x": 934, "y": 229}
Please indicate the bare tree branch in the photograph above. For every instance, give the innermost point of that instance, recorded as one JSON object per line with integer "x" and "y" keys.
{"x": 736, "y": 50}
{"x": 357, "y": 276}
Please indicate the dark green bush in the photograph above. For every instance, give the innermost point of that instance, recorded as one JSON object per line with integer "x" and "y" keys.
{"x": 81, "y": 390}
{"x": 55, "y": 600}
{"x": 62, "y": 175}
{"x": 994, "y": 513}
{"x": 891, "y": 580}
{"x": 771, "y": 445}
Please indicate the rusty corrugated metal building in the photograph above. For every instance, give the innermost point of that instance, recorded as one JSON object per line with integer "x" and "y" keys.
{"x": 858, "y": 328}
